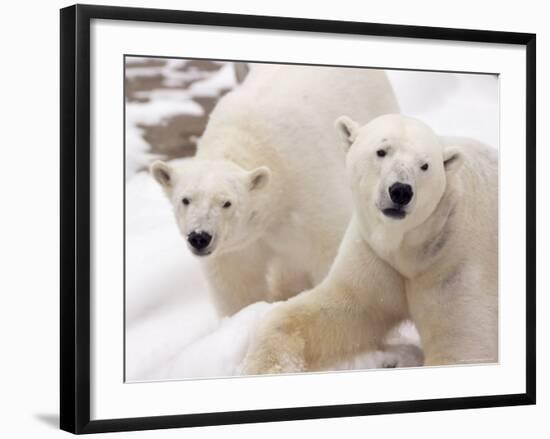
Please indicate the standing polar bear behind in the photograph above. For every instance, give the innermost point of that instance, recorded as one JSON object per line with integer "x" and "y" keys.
{"x": 265, "y": 201}
{"x": 422, "y": 244}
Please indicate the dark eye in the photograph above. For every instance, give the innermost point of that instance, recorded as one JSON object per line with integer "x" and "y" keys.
{"x": 186, "y": 201}
{"x": 227, "y": 204}
{"x": 381, "y": 153}
{"x": 424, "y": 167}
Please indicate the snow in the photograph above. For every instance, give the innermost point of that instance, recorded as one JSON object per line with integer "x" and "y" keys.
{"x": 137, "y": 156}
{"x": 161, "y": 104}
{"x": 172, "y": 72}
{"x": 452, "y": 104}
{"x": 225, "y": 79}
{"x": 172, "y": 331}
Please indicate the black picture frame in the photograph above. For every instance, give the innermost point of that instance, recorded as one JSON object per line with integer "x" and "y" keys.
{"x": 75, "y": 217}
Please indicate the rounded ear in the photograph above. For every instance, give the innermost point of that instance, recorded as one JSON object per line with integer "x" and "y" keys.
{"x": 348, "y": 130}
{"x": 452, "y": 159}
{"x": 162, "y": 172}
{"x": 258, "y": 178}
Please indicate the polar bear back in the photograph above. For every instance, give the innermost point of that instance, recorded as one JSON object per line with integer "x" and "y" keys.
{"x": 297, "y": 105}
{"x": 282, "y": 116}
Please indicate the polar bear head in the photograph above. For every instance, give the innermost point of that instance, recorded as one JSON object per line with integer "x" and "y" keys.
{"x": 398, "y": 167}
{"x": 215, "y": 202}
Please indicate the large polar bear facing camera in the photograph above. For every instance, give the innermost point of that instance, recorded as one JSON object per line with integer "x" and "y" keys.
{"x": 265, "y": 201}
{"x": 422, "y": 244}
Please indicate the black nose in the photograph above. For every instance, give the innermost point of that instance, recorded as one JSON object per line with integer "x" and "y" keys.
{"x": 401, "y": 193}
{"x": 199, "y": 240}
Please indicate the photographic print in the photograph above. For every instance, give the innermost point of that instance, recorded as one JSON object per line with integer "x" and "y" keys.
{"x": 304, "y": 218}
{"x": 284, "y": 218}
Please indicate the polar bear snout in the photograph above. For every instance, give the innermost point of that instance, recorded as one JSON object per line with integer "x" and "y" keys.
{"x": 199, "y": 242}
{"x": 401, "y": 193}
{"x": 398, "y": 205}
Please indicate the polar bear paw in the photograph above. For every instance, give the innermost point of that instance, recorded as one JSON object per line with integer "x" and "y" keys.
{"x": 274, "y": 356}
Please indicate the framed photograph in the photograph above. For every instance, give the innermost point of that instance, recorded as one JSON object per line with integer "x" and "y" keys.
{"x": 275, "y": 218}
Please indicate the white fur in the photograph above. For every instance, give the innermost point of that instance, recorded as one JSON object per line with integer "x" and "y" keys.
{"x": 267, "y": 151}
{"x": 436, "y": 265}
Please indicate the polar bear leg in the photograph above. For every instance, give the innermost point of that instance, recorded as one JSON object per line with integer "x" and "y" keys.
{"x": 454, "y": 321}
{"x": 350, "y": 312}
{"x": 238, "y": 279}
{"x": 303, "y": 334}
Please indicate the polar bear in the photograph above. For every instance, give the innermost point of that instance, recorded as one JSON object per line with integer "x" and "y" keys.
{"x": 422, "y": 244}
{"x": 265, "y": 201}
